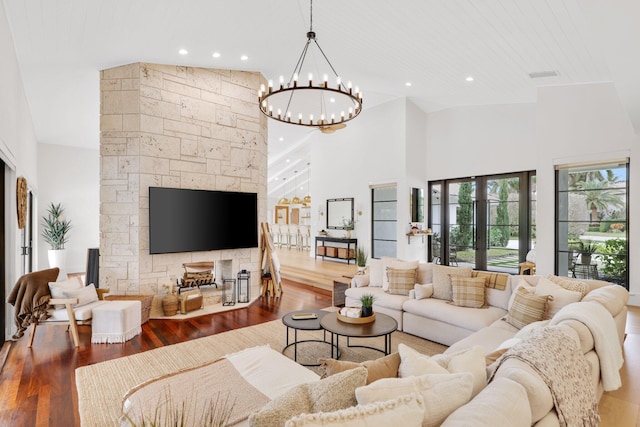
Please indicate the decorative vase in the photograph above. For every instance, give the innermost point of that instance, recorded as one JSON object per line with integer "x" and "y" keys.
{"x": 367, "y": 311}
{"x": 348, "y": 234}
{"x": 57, "y": 258}
{"x": 170, "y": 305}
{"x": 361, "y": 270}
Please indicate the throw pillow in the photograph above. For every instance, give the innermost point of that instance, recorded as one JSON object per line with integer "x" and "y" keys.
{"x": 442, "y": 393}
{"x": 375, "y": 273}
{"x": 526, "y": 308}
{"x": 442, "y": 279}
{"x": 570, "y": 284}
{"x": 494, "y": 280}
{"x": 388, "y": 262}
{"x": 414, "y": 363}
{"x": 425, "y": 273}
{"x": 423, "y": 291}
{"x": 406, "y": 410}
{"x": 561, "y": 296}
{"x": 56, "y": 289}
{"x": 504, "y": 403}
{"x": 468, "y": 291}
{"x": 383, "y": 367}
{"x": 522, "y": 283}
{"x": 471, "y": 360}
{"x": 330, "y": 394}
{"x": 86, "y": 295}
{"x": 401, "y": 281}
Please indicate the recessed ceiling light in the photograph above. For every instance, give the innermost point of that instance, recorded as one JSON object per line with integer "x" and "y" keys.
{"x": 332, "y": 100}
{"x": 276, "y": 178}
{"x": 288, "y": 160}
{"x": 216, "y": 54}
{"x": 281, "y": 139}
{"x": 469, "y": 78}
{"x": 244, "y": 57}
{"x": 183, "y": 51}
{"x": 408, "y": 84}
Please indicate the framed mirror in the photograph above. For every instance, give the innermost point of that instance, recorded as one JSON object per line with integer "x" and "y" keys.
{"x": 417, "y": 205}
{"x": 340, "y": 214}
{"x": 282, "y": 215}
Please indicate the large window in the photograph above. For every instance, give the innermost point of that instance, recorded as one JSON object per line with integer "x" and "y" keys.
{"x": 592, "y": 221}
{"x": 384, "y": 221}
{"x": 483, "y": 222}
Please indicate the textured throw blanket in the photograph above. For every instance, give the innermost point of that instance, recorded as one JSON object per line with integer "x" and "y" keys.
{"x": 564, "y": 369}
{"x": 605, "y": 338}
{"x": 30, "y": 296}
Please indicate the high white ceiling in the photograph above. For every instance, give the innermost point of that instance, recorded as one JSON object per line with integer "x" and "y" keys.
{"x": 380, "y": 45}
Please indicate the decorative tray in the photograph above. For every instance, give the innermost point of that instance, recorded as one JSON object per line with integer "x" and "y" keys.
{"x": 360, "y": 320}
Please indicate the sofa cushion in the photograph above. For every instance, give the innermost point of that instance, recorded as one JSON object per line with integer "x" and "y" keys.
{"x": 468, "y": 291}
{"x": 406, "y": 410}
{"x": 401, "y": 280}
{"x": 569, "y": 284}
{"x": 375, "y": 272}
{"x": 488, "y": 338}
{"x": 471, "y": 360}
{"x": 442, "y": 279}
{"x": 383, "y": 367}
{"x": 526, "y": 308}
{"x": 612, "y": 297}
{"x": 503, "y": 403}
{"x": 330, "y": 394}
{"x": 425, "y": 273}
{"x": 82, "y": 313}
{"x": 383, "y": 299}
{"x": 472, "y": 319}
{"x": 442, "y": 393}
{"x": 414, "y": 363}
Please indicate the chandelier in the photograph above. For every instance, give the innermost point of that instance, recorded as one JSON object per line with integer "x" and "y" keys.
{"x": 325, "y": 104}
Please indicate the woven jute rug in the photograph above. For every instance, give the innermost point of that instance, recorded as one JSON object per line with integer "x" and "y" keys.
{"x": 102, "y": 386}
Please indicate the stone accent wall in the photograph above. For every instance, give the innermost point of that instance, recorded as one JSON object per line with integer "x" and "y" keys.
{"x": 181, "y": 127}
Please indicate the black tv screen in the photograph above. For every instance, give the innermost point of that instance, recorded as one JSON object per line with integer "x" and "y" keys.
{"x": 182, "y": 220}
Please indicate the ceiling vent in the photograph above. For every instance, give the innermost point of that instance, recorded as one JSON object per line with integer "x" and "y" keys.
{"x": 541, "y": 74}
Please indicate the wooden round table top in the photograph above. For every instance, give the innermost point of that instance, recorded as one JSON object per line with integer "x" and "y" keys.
{"x": 383, "y": 325}
{"x": 304, "y": 324}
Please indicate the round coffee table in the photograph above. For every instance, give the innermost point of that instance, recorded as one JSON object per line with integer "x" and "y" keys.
{"x": 383, "y": 326}
{"x": 304, "y": 325}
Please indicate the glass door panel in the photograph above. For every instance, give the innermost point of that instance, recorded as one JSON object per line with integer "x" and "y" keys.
{"x": 384, "y": 222}
{"x": 503, "y": 230}
{"x": 460, "y": 247}
{"x": 435, "y": 219}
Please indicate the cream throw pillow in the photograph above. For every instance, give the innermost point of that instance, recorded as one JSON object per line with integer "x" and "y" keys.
{"x": 442, "y": 279}
{"x": 330, "y": 394}
{"x": 406, "y": 410}
{"x": 468, "y": 291}
{"x": 471, "y": 360}
{"x": 561, "y": 296}
{"x": 423, "y": 291}
{"x": 56, "y": 289}
{"x": 414, "y": 363}
{"x": 86, "y": 295}
{"x": 442, "y": 393}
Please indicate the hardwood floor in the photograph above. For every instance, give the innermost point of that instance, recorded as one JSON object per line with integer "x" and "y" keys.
{"x": 37, "y": 386}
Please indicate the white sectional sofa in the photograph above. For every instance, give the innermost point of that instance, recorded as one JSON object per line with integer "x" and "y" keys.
{"x": 596, "y": 322}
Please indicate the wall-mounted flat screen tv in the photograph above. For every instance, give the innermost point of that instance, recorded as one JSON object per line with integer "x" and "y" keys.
{"x": 182, "y": 220}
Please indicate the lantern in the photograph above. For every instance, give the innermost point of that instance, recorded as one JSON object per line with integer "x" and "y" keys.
{"x": 228, "y": 291}
{"x": 244, "y": 284}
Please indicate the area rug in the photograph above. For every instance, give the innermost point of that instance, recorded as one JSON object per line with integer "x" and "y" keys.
{"x": 102, "y": 386}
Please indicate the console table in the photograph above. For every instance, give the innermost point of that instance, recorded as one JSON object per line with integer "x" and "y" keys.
{"x": 332, "y": 250}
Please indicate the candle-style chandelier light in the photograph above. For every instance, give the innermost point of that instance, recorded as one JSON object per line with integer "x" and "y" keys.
{"x": 327, "y": 104}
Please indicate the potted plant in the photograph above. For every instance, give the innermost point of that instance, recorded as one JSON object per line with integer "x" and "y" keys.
{"x": 367, "y": 304}
{"x": 587, "y": 249}
{"x": 361, "y": 260}
{"x": 54, "y": 231}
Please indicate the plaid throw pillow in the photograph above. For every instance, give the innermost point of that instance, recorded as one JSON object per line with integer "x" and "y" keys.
{"x": 468, "y": 291}
{"x": 442, "y": 279}
{"x": 401, "y": 281}
{"x": 526, "y": 308}
{"x": 494, "y": 280}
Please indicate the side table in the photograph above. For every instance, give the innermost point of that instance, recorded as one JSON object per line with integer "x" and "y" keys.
{"x": 340, "y": 284}
{"x": 304, "y": 325}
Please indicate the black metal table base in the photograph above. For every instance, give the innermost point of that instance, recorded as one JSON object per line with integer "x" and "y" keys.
{"x": 336, "y": 346}
{"x": 296, "y": 342}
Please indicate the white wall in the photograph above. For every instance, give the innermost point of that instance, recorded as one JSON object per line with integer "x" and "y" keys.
{"x": 71, "y": 176}
{"x": 568, "y": 124}
{"x": 17, "y": 149}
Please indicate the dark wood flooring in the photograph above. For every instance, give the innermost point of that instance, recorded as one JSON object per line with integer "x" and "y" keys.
{"x": 37, "y": 385}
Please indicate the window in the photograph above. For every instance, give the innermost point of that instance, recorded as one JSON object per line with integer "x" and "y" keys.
{"x": 384, "y": 221}
{"x": 484, "y": 222}
{"x": 592, "y": 221}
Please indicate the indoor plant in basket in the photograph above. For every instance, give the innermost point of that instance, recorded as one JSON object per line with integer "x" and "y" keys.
{"x": 54, "y": 231}
{"x": 587, "y": 249}
{"x": 367, "y": 304}
{"x": 361, "y": 260}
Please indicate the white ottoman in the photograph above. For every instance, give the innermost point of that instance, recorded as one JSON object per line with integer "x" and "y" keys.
{"x": 116, "y": 321}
